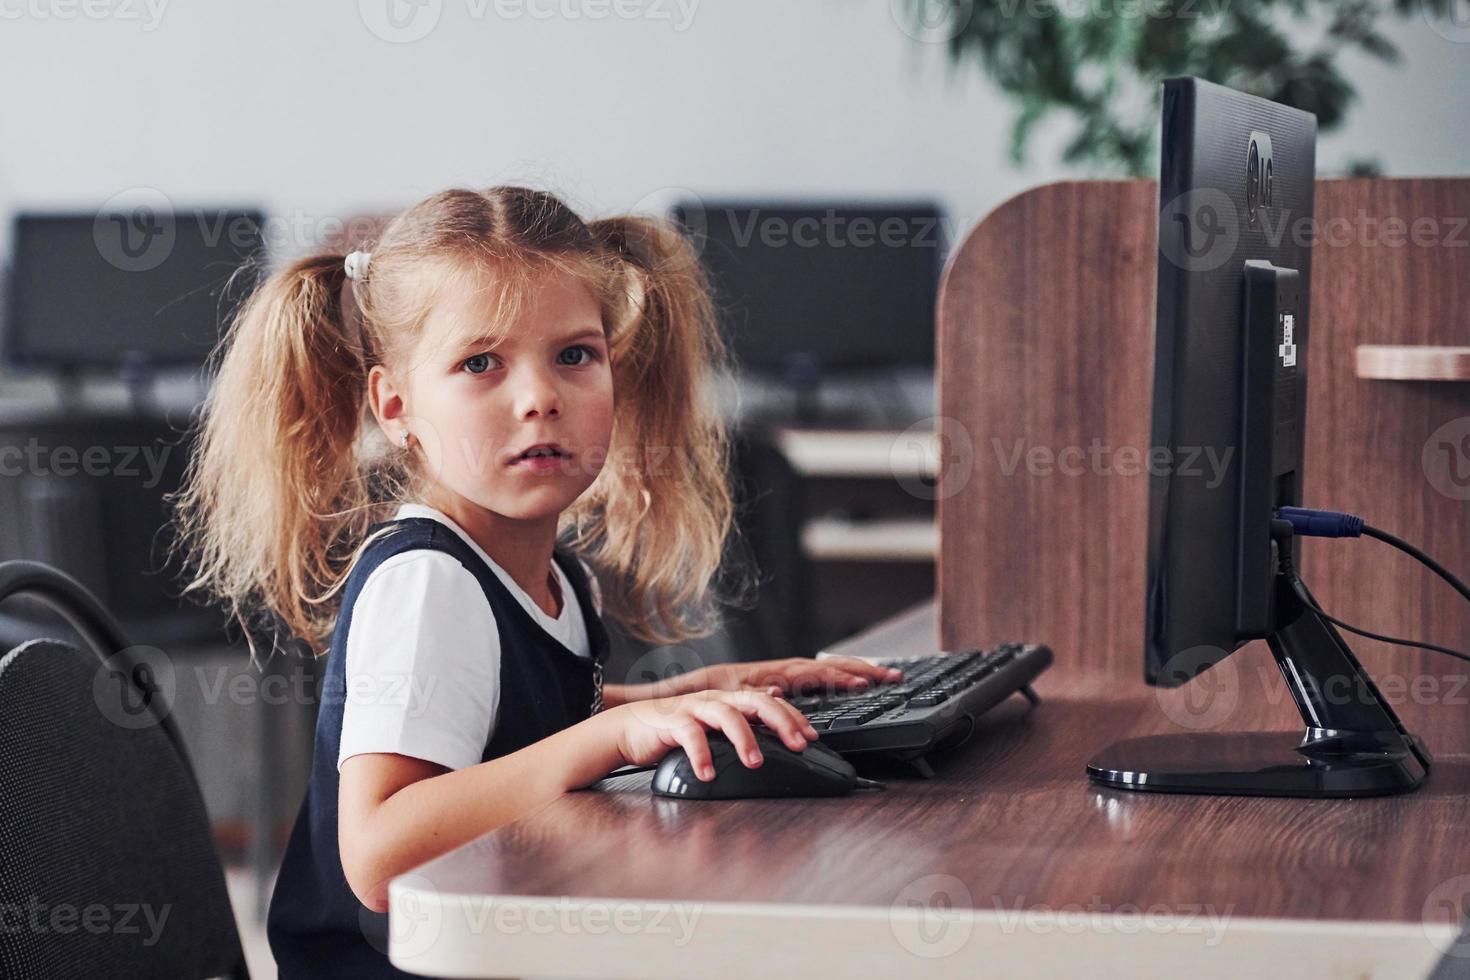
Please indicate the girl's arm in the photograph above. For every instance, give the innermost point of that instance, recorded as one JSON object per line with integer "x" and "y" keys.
{"x": 795, "y": 675}
{"x": 395, "y": 812}
{"x": 616, "y": 694}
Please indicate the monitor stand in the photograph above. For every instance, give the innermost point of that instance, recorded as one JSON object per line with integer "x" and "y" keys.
{"x": 1354, "y": 744}
{"x": 804, "y": 376}
{"x": 68, "y": 388}
{"x": 136, "y": 372}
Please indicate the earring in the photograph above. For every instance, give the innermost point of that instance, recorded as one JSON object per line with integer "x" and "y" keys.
{"x": 404, "y": 443}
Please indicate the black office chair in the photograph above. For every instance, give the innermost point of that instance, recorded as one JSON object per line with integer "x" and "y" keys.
{"x": 107, "y": 864}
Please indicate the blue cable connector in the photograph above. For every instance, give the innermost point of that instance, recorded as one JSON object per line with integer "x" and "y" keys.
{"x": 1321, "y": 523}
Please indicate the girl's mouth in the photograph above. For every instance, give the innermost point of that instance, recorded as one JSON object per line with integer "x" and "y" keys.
{"x": 543, "y": 457}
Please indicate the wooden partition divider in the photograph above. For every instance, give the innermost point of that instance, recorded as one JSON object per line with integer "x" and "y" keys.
{"x": 1045, "y": 366}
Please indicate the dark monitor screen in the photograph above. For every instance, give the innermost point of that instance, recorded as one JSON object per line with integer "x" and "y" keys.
{"x": 850, "y": 286}
{"x": 98, "y": 290}
{"x": 1236, "y": 185}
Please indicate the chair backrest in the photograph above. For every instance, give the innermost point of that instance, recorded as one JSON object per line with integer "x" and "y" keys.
{"x": 107, "y": 862}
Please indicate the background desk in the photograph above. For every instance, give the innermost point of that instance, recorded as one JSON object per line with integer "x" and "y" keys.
{"x": 1009, "y": 864}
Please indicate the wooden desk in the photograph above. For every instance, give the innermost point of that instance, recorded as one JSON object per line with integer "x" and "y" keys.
{"x": 1009, "y": 864}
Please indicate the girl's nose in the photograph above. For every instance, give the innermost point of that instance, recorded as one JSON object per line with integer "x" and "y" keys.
{"x": 537, "y": 397}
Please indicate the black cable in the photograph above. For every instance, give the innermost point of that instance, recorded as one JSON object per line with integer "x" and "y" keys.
{"x": 1285, "y": 530}
{"x": 1313, "y": 522}
{"x": 1300, "y": 588}
{"x": 1404, "y": 546}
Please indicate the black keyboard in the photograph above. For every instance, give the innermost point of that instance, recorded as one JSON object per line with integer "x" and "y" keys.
{"x": 933, "y": 707}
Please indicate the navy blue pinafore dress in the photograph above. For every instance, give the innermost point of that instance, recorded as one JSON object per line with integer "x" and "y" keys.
{"x": 316, "y": 926}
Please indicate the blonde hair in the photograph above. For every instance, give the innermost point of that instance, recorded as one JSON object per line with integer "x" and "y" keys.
{"x": 287, "y": 477}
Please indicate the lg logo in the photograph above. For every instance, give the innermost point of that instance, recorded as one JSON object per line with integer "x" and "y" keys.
{"x": 1257, "y": 178}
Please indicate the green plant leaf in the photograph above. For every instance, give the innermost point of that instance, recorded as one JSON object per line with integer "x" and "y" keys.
{"x": 1089, "y": 64}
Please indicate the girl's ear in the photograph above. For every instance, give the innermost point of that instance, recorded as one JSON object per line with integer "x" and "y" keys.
{"x": 388, "y": 404}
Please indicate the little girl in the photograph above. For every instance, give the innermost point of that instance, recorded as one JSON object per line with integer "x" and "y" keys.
{"x": 542, "y": 384}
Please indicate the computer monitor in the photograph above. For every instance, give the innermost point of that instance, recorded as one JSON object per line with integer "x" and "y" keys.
{"x": 1230, "y": 372}
{"x": 803, "y": 289}
{"x": 126, "y": 291}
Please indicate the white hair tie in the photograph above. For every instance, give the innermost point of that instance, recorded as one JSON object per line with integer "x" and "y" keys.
{"x": 356, "y": 264}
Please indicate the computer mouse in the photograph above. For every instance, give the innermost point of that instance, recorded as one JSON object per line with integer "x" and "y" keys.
{"x": 814, "y": 771}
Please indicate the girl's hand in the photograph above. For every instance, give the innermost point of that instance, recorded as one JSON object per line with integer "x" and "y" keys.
{"x": 647, "y": 730}
{"x": 794, "y": 676}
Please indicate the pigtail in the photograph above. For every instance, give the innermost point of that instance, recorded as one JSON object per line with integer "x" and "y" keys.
{"x": 273, "y": 502}
{"x": 655, "y": 523}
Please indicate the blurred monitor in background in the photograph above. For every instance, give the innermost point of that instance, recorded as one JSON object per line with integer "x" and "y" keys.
{"x": 127, "y": 292}
{"x": 808, "y": 290}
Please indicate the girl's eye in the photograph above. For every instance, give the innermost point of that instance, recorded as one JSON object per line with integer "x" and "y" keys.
{"x": 478, "y": 364}
{"x": 583, "y": 348}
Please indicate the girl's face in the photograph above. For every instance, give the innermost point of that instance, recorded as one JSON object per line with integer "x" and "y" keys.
{"x": 474, "y": 411}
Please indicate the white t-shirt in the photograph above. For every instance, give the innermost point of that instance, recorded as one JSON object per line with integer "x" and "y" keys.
{"x": 423, "y": 653}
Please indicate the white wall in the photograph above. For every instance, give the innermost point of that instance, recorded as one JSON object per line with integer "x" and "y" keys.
{"x": 300, "y": 106}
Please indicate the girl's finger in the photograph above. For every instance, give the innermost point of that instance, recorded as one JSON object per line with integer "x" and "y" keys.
{"x": 779, "y": 716}
{"x": 786, "y": 721}
{"x": 691, "y": 736}
{"x": 798, "y": 723}
{"x": 842, "y": 678}
{"x": 727, "y": 718}
{"x": 803, "y": 724}
{"x": 863, "y": 668}
{"x": 766, "y": 679}
{"x": 802, "y": 721}
{"x": 808, "y": 681}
